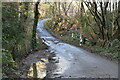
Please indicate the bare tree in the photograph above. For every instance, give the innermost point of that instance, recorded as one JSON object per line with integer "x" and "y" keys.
{"x": 100, "y": 16}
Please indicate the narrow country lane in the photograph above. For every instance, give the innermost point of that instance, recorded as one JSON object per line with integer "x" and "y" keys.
{"x": 75, "y": 62}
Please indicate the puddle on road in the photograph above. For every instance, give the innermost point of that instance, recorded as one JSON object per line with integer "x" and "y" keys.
{"x": 38, "y": 69}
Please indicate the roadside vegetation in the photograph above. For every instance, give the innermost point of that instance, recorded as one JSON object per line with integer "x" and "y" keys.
{"x": 18, "y": 37}
{"x": 87, "y": 26}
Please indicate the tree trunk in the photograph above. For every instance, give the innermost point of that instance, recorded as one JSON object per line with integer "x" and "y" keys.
{"x": 36, "y": 16}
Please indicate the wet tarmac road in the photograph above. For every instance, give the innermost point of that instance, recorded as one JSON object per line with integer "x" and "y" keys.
{"x": 75, "y": 62}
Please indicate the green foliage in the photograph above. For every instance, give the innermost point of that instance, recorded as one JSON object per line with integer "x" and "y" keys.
{"x": 16, "y": 30}
{"x": 7, "y": 61}
{"x": 111, "y": 51}
{"x": 16, "y": 36}
{"x": 115, "y": 44}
